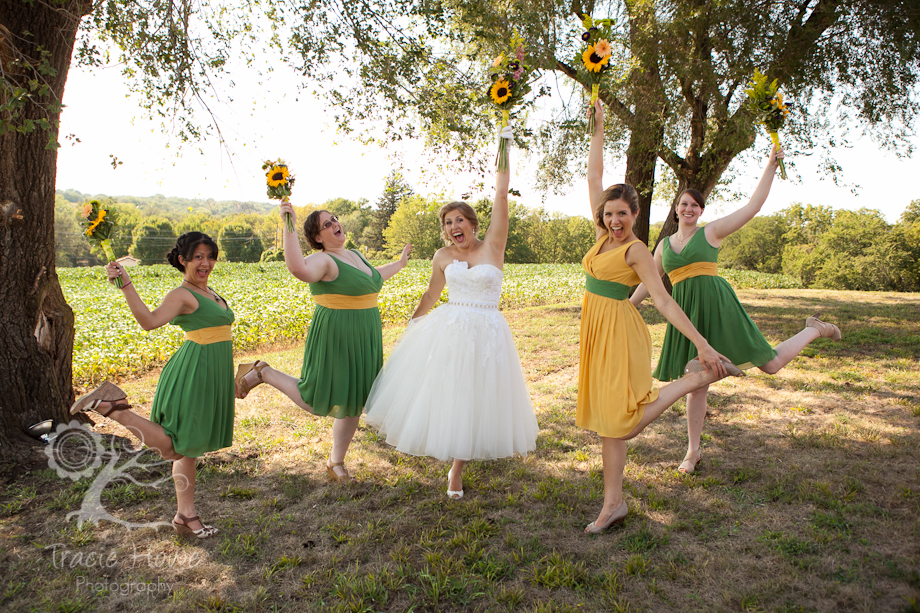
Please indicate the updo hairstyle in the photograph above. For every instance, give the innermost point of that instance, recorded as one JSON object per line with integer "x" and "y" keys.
{"x": 696, "y": 195}
{"x": 186, "y": 246}
{"x": 311, "y": 229}
{"x": 466, "y": 210}
{"x": 620, "y": 191}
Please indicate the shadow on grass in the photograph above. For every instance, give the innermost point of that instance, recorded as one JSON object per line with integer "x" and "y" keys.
{"x": 807, "y": 495}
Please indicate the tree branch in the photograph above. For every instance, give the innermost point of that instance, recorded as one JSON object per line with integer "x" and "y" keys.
{"x": 615, "y": 104}
{"x": 801, "y": 39}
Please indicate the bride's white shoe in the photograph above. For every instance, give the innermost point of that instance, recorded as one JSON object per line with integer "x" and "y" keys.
{"x": 453, "y": 494}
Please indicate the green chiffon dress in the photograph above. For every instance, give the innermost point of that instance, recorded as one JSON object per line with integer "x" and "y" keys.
{"x": 344, "y": 349}
{"x": 194, "y": 400}
{"x": 713, "y": 308}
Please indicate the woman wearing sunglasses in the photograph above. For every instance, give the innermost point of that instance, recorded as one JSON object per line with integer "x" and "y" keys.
{"x": 344, "y": 349}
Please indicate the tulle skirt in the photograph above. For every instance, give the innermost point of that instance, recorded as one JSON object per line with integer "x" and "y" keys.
{"x": 453, "y": 388}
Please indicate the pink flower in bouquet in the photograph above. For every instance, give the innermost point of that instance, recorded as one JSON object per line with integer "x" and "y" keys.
{"x": 602, "y": 48}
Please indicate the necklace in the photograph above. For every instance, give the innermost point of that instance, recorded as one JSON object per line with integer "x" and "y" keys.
{"x": 206, "y": 289}
{"x": 682, "y": 239}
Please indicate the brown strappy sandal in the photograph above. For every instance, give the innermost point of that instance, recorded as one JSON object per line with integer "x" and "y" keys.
{"x": 243, "y": 388}
{"x": 688, "y": 466}
{"x": 181, "y": 526}
{"x": 107, "y": 392}
{"x": 334, "y": 476}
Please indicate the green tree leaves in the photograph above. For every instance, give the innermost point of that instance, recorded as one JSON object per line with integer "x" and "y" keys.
{"x": 822, "y": 248}
{"x": 154, "y": 237}
{"x": 238, "y": 242}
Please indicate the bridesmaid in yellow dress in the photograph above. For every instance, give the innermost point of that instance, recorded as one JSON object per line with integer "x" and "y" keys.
{"x": 615, "y": 394}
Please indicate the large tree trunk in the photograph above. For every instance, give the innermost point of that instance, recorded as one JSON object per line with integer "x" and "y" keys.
{"x": 640, "y": 173}
{"x": 36, "y": 324}
{"x": 646, "y": 127}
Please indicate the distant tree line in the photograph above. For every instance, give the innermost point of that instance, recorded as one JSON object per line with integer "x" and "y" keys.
{"x": 820, "y": 247}
{"x": 250, "y": 232}
{"x": 828, "y": 249}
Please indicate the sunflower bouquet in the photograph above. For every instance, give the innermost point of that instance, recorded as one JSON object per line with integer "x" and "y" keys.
{"x": 508, "y": 85}
{"x": 98, "y": 226}
{"x": 280, "y": 181}
{"x": 595, "y": 57}
{"x": 768, "y": 108}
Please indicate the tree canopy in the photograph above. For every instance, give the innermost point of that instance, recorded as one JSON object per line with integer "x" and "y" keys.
{"x": 677, "y": 92}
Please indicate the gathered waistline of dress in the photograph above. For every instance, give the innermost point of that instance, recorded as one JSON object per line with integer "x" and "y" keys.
{"x": 209, "y": 336}
{"x": 474, "y": 305}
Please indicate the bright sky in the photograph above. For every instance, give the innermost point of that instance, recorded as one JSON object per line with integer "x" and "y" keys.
{"x": 273, "y": 121}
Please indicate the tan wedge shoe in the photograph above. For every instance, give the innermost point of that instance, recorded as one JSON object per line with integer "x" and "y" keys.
{"x": 825, "y": 329}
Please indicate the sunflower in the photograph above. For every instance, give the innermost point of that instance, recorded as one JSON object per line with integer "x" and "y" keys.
{"x": 593, "y": 62}
{"x": 98, "y": 220}
{"x": 500, "y": 91}
{"x": 277, "y": 176}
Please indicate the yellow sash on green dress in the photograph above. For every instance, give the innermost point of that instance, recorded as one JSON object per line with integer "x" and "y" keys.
{"x": 209, "y": 336}
{"x": 344, "y": 302}
{"x": 697, "y": 269}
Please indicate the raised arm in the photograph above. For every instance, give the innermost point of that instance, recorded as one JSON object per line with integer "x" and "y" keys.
{"x": 497, "y": 234}
{"x": 435, "y": 286}
{"x": 177, "y": 302}
{"x": 641, "y": 261}
{"x": 388, "y": 270}
{"x": 317, "y": 267}
{"x": 717, "y": 230}
{"x": 596, "y": 165}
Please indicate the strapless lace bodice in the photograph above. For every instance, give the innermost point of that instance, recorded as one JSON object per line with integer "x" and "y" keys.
{"x": 477, "y": 286}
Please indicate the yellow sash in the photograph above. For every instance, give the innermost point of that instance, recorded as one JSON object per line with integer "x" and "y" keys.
{"x": 343, "y": 302}
{"x": 208, "y": 336}
{"x": 697, "y": 269}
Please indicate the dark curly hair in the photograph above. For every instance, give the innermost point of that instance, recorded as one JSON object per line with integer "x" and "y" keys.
{"x": 616, "y": 192}
{"x": 696, "y": 195}
{"x": 186, "y": 246}
{"x": 311, "y": 229}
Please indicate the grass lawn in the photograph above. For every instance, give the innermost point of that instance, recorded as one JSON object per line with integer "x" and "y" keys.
{"x": 807, "y": 498}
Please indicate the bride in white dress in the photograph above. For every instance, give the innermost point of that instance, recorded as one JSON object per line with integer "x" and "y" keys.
{"x": 453, "y": 387}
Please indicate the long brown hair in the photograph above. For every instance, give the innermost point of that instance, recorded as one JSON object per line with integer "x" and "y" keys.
{"x": 696, "y": 195}
{"x": 620, "y": 191}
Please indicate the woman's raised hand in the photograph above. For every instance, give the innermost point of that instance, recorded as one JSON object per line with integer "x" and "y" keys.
{"x": 776, "y": 154}
{"x": 115, "y": 270}
{"x": 598, "y": 113}
{"x": 404, "y": 258}
{"x": 287, "y": 207}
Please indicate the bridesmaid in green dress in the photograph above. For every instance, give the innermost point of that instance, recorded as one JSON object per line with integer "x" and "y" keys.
{"x": 192, "y": 410}
{"x": 344, "y": 349}
{"x": 689, "y": 258}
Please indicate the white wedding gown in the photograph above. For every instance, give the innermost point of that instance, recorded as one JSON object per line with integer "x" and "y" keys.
{"x": 453, "y": 387}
